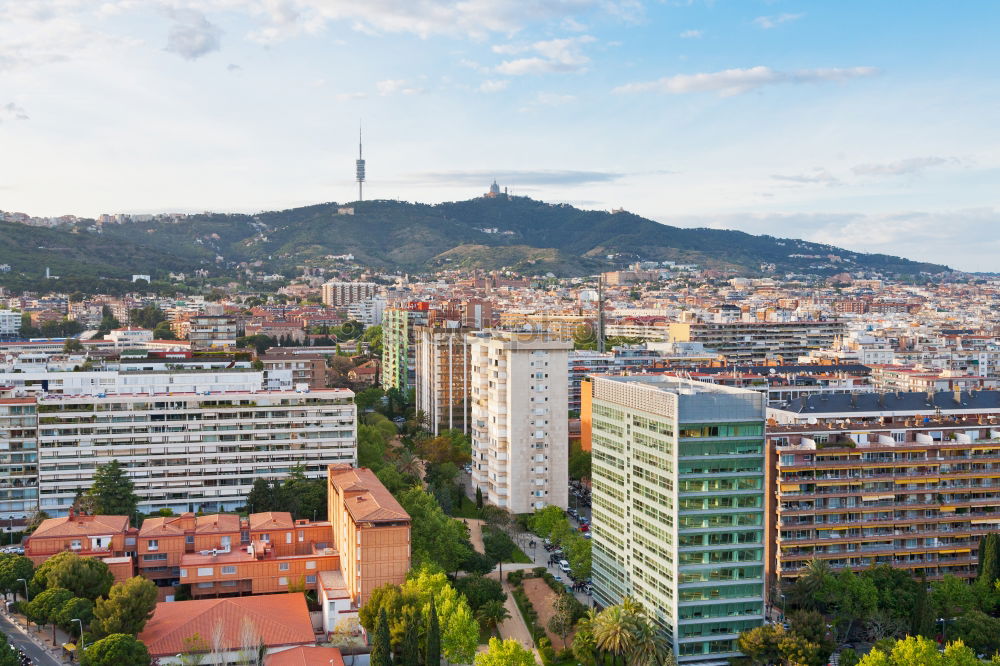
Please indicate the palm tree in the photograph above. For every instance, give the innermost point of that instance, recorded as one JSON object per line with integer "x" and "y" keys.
{"x": 614, "y": 632}
{"x": 491, "y": 614}
{"x": 651, "y": 646}
{"x": 809, "y": 586}
{"x": 408, "y": 464}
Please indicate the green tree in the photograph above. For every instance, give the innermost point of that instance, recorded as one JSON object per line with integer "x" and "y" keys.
{"x": 479, "y": 590}
{"x": 381, "y": 654}
{"x": 86, "y": 577}
{"x": 8, "y": 657}
{"x": 479, "y": 498}
{"x": 614, "y": 632}
{"x": 162, "y": 331}
{"x": 116, "y": 650}
{"x": 854, "y": 599}
{"x": 505, "y": 653}
{"x": 432, "y": 647}
{"x": 127, "y": 608}
{"x": 435, "y": 538}
{"x": 491, "y": 614}
{"x": 72, "y": 345}
{"x": 44, "y": 608}
{"x": 578, "y": 554}
{"x": 811, "y": 626}
{"x": 561, "y": 622}
{"x": 977, "y": 630}
{"x": 922, "y": 618}
{"x": 461, "y": 632}
{"x": 952, "y": 596}
{"x": 113, "y": 492}
{"x": 761, "y": 644}
{"x": 409, "y": 647}
{"x": 498, "y": 547}
{"x": 797, "y": 651}
{"x": 13, "y": 567}
{"x": 543, "y": 521}
{"x": 584, "y": 645}
{"x": 76, "y": 608}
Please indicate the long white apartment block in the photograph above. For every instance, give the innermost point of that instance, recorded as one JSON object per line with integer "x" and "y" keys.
{"x": 519, "y": 393}
{"x": 187, "y": 446}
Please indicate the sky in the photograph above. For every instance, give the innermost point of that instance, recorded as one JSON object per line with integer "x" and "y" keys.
{"x": 869, "y": 124}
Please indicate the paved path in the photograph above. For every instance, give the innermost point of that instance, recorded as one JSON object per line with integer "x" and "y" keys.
{"x": 476, "y": 533}
{"x": 515, "y": 627}
{"x": 16, "y": 636}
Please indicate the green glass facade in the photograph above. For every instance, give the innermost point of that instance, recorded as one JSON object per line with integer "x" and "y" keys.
{"x": 678, "y": 507}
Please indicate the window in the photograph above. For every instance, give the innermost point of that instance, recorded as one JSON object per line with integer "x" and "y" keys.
{"x": 152, "y": 544}
{"x": 228, "y": 583}
{"x": 75, "y": 544}
{"x": 288, "y": 537}
{"x": 310, "y": 565}
{"x": 282, "y": 581}
{"x": 183, "y": 573}
{"x": 266, "y": 538}
{"x": 283, "y": 566}
{"x": 205, "y": 586}
{"x": 189, "y": 539}
{"x": 205, "y": 571}
{"x": 228, "y": 570}
{"x": 310, "y": 580}
{"x": 158, "y": 557}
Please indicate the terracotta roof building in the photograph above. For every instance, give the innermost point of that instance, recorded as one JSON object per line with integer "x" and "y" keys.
{"x": 279, "y": 621}
{"x": 306, "y": 656}
{"x": 107, "y": 537}
{"x": 370, "y": 528}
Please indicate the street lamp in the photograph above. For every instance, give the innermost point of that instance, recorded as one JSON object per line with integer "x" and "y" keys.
{"x": 782, "y": 607}
{"x": 27, "y": 622}
{"x": 83, "y": 645}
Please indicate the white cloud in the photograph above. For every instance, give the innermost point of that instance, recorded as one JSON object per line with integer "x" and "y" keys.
{"x": 737, "y": 81}
{"x": 768, "y": 22}
{"x": 692, "y": 34}
{"x": 909, "y": 165}
{"x": 192, "y": 35}
{"x": 493, "y": 85}
{"x": 396, "y": 86}
{"x": 818, "y": 175}
{"x": 554, "y": 55}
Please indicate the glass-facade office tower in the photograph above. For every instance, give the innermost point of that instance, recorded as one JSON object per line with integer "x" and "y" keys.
{"x": 678, "y": 507}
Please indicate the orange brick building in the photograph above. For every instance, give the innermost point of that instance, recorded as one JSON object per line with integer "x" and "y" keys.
{"x": 109, "y": 538}
{"x": 371, "y": 529}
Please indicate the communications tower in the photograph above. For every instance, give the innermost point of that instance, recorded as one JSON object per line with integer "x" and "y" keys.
{"x": 360, "y": 167}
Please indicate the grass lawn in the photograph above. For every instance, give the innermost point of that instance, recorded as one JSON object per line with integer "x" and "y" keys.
{"x": 466, "y": 510}
{"x": 519, "y": 557}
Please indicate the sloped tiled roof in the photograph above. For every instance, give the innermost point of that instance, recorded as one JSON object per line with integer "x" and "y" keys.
{"x": 165, "y": 525}
{"x": 278, "y": 619}
{"x": 81, "y": 526}
{"x": 365, "y": 498}
{"x": 276, "y": 520}
{"x": 306, "y": 656}
{"x": 217, "y": 522}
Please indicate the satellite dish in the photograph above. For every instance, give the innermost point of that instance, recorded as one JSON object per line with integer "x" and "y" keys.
{"x": 772, "y": 371}
{"x": 812, "y": 420}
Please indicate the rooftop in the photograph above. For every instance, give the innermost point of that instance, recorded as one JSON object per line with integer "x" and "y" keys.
{"x": 916, "y": 402}
{"x": 278, "y": 619}
{"x": 80, "y": 525}
{"x": 306, "y": 656}
{"x": 365, "y": 498}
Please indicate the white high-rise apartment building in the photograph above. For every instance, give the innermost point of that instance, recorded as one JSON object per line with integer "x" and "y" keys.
{"x": 678, "y": 507}
{"x": 10, "y": 323}
{"x": 345, "y": 293}
{"x": 187, "y": 446}
{"x": 520, "y": 448}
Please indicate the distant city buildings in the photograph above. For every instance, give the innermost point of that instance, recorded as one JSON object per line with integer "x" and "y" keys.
{"x": 442, "y": 375}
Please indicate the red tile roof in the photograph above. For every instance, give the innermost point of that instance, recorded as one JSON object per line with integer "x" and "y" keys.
{"x": 365, "y": 498}
{"x": 81, "y": 526}
{"x": 278, "y": 619}
{"x": 273, "y": 520}
{"x": 306, "y": 656}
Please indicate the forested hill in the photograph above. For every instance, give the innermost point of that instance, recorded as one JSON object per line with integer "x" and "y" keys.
{"x": 527, "y": 235}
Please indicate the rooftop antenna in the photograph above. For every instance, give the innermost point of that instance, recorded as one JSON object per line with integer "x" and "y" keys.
{"x": 360, "y": 167}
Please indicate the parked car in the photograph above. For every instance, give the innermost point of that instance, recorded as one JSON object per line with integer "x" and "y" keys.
{"x": 564, "y": 566}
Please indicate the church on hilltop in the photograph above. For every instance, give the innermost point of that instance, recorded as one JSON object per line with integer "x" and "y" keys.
{"x": 495, "y": 191}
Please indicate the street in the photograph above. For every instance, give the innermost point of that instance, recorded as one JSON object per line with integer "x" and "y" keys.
{"x": 17, "y": 638}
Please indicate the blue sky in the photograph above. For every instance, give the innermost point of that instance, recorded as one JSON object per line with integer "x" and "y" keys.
{"x": 870, "y": 125}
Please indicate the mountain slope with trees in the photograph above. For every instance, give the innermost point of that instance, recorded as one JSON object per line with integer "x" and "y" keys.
{"x": 523, "y": 234}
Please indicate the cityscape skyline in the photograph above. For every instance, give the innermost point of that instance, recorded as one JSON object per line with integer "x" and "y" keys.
{"x": 792, "y": 119}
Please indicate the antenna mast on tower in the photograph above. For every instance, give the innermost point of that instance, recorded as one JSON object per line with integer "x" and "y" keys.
{"x": 360, "y": 167}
